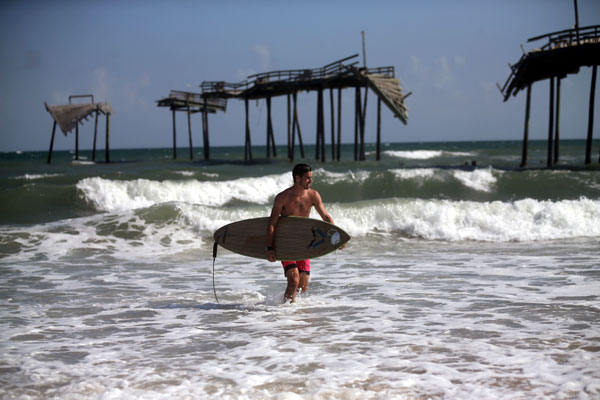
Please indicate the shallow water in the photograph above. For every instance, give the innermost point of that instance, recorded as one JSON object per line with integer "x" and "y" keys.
{"x": 460, "y": 283}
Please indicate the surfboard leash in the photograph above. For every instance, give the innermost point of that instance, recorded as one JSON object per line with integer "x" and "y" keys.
{"x": 215, "y": 246}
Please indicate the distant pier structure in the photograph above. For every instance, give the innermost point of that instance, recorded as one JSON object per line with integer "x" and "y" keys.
{"x": 564, "y": 53}
{"x": 69, "y": 116}
{"x": 192, "y": 103}
{"x": 338, "y": 75}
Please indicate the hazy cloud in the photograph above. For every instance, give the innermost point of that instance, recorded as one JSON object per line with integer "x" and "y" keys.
{"x": 100, "y": 84}
{"x": 263, "y": 52}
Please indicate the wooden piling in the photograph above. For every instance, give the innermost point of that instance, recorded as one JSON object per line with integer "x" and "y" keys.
{"x": 378, "y": 157}
{"x": 339, "y": 132}
{"x": 205, "y": 133}
{"x": 77, "y": 141}
{"x": 270, "y": 134}
{"x": 297, "y": 126}
{"x": 588, "y": 145}
{"x": 52, "y": 143}
{"x": 363, "y": 117}
{"x": 174, "y": 136}
{"x": 95, "y": 136}
{"x": 557, "y": 122}
{"x": 319, "y": 148}
{"x": 356, "y": 121}
{"x": 107, "y": 138}
{"x": 551, "y": 123}
{"x": 289, "y": 127}
{"x": 248, "y": 144}
{"x": 189, "y": 118}
{"x": 332, "y": 124}
{"x": 526, "y": 129}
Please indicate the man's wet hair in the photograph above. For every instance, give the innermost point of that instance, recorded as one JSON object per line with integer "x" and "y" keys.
{"x": 299, "y": 170}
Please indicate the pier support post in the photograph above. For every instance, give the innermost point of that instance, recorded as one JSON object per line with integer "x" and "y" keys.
{"x": 51, "y": 143}
{"x": 332, "y": 124}
{"x": 77, "y": 141}
{"x": 107, "y": 138}
{"x": 356, "y": 121}
{"x": 248, "y": 144}
{"x": 551, "y": 123}
{"x": 289, "y": 127}
{"x": 189, "y": 118}
{"x": 270, "y": 135}
{"x": 557, "y": 122}
{"x": 339, "y": 132}
{"x": 320, "y": 140}
{"x": 526, "y": 129}
{"x": 205, "y": 137}
{"x": 588, "y": 145}
{"x": 378, "y": 129}
{"x": 297, "y": 126}
{"x": 174, "y": 136}
{"x": 363, "y": 117}
{"x": 95, "y": 136}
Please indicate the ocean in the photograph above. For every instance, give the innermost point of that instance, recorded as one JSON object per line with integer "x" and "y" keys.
{"x": 466, "y": 277}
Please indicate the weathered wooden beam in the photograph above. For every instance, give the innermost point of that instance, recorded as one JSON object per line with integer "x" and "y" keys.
{"x": 588, "y": 145}
{"x": 52, "y": 142}
{"x": 551, "y": 123}
{"x": 332, "y": 124}
{"x": 270, "y": 135}
{"x": 356, "y": 121}
{"x": 319, "y": 129}
{"x": 174, "y": 136}
{"x": 77, "y": 141}
{"x": 189, "y": 118}
{"x": 248, "y": 143}
{"x": 205, "y": 133}
{"x": 95, "y": 136}
{"x": 297, "y": 126}
{"x": 107, "y": 138}
{"x": 557, "y": 122}
{"x": 339, "y": 132}
{"x": 526, "y": 129}
{"x": 378, "y": 156}
{"x": 363, "y": 117}
{"x": 289, "y": 127}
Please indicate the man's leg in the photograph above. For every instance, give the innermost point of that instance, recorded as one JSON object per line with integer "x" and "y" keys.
{"x": 293, "y": 279}
{"x": 304, "y": 278}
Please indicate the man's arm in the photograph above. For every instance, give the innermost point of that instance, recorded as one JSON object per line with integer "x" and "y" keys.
{"x": 318, "y": 204}
{"x": 275, "y": 213}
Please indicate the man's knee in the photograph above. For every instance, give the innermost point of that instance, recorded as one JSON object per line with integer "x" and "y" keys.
{"x": 293, "y": 277}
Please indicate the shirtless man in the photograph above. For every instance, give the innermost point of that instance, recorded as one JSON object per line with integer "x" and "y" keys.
{"x": 297, "y": 201}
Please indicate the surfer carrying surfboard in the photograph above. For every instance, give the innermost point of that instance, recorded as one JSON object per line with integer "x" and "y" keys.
{"x": 296, "y": 200}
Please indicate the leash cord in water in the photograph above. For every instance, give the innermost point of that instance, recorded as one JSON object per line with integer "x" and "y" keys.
{"x": 213, "y": 270}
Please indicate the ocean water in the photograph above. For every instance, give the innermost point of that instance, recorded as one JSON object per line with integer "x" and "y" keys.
{"x": 461, "y": 281}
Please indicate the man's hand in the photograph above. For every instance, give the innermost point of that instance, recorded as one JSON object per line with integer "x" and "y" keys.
{"x": 271, "y": 255}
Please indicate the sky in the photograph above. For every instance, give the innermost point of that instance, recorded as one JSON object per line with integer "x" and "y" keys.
{"x": 449, "y": 54}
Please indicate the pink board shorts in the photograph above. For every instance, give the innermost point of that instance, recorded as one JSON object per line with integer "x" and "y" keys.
{"x": 302, "y": 265}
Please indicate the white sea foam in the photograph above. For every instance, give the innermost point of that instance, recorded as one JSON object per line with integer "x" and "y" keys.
{"x": 479, "y": 179}
{"x": 523, "y": 220}
{"x": 425, "y": 154}
{"x": 337, "y": 177}
{"x": 199, "y": 205}
{"x": 36, "y": 176}
{"x": 113, "y": 195}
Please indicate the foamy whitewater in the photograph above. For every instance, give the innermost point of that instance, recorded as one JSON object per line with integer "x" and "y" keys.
{"x": 460, "y": 282}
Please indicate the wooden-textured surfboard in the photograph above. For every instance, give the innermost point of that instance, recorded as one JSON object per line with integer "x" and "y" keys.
{"x": 296, "y": 238}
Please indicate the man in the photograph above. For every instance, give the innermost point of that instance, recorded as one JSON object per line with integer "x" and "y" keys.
{"x": 297, "y": 201}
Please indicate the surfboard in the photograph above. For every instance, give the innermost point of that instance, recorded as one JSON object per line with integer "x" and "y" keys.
{"x": 296, "y": 238}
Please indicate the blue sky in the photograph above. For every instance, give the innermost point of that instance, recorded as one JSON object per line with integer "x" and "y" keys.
{"x": 450, "y": 54}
